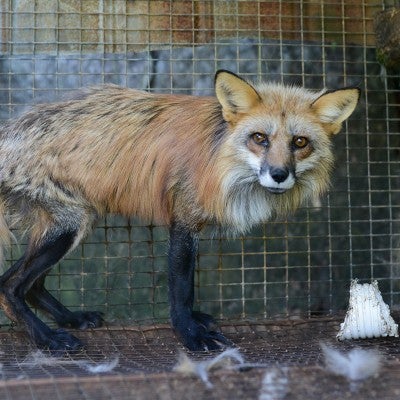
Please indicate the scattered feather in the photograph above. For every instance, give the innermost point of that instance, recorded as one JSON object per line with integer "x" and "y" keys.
{"x": 201, "y": 369}
{"x": 38, "y": 359}
{"x": 274, "y": 385}
{"x": 356, "y": 365}
{"x": 102, "y": 367}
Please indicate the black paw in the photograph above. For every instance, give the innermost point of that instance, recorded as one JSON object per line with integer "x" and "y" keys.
{"x": 200, "y": 332}
{"x": 58, "y": 342}
{"x": 82, "y": 320}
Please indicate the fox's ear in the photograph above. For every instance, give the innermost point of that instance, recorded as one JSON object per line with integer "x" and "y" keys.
{"x": 235, "y": 95}
{"x": 333, "y": 107}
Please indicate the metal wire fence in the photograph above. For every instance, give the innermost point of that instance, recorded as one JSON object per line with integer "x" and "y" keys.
{"x": 302, "y": 265}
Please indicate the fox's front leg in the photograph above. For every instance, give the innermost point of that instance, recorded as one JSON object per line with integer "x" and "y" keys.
{"x": 197, "y": 331}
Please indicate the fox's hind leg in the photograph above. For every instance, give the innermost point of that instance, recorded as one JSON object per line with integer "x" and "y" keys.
{"x": 45, "y": 249}
{"x": 40, "y": 298}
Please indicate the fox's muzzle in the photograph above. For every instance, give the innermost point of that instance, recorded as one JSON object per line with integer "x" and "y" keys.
{"x": 277, "y": 179}
{"x": 279, "y": 175}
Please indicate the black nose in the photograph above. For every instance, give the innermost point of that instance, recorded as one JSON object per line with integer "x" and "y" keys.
{"x": 279, "y": 174}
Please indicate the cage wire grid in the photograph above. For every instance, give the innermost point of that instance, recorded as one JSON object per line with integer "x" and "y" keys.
{"x": 299, "y": 267}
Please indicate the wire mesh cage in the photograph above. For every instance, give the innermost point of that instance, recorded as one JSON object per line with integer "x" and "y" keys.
{"x": 299, "y": 266}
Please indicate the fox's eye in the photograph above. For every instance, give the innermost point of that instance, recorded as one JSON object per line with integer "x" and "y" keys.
{"x": 300, "y": 142}
{"x": 260, "y": 138}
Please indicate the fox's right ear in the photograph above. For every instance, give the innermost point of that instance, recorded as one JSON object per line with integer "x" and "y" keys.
{"x": 235, "y": 95}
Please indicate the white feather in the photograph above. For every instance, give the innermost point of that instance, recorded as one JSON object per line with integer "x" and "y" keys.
{"x": 357, "y": 364}
{"x": 100, "y": 368}
{"x": 38, "y": 358}
{"x": 274, "y": 385}
{"x": 201, "y": 369}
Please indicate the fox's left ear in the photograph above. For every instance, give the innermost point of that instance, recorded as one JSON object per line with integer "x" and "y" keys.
{"x": 333, "y": 107}
{"x": 235, "y": 95}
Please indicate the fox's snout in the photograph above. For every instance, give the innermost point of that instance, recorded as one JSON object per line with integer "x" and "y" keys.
{"x": 277, "y": 179}
{"x": 279, "y": 175}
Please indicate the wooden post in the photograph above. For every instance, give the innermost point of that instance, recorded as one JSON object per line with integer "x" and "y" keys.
{"x": 387, "y": 28}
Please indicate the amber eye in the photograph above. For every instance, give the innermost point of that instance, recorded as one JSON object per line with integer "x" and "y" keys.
{"x": 260, "y": 138}
{"x": 300, "y": 142}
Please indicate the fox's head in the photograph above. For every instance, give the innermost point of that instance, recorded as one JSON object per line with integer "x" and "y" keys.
{"x": 282, "y": 133}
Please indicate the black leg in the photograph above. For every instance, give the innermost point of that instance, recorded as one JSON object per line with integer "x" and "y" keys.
{"x": 16, "y": 282}
{"x": 40, "y": 298}
{"x": 197, "y": 331}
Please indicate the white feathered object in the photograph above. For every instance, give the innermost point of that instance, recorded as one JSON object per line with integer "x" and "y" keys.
{"x": 368, "y": 315}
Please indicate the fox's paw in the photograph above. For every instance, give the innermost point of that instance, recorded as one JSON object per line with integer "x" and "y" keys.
{"x": 58, "y": 342}
{"x": 200, "y": 332}
{"x": 82, "y": 320}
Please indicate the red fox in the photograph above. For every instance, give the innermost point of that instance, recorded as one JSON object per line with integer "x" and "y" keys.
{"x": 252, "y": 152}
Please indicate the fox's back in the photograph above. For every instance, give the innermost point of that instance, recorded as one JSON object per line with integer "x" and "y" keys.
{"x": 114, "y": 149}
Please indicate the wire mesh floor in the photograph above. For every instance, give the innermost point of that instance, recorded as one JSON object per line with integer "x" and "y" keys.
{"x": 144, "y": 357}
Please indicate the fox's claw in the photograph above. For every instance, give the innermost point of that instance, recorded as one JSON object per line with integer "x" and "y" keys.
{"x": 83, "y": 320}
{"x": 200, "y": 332}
